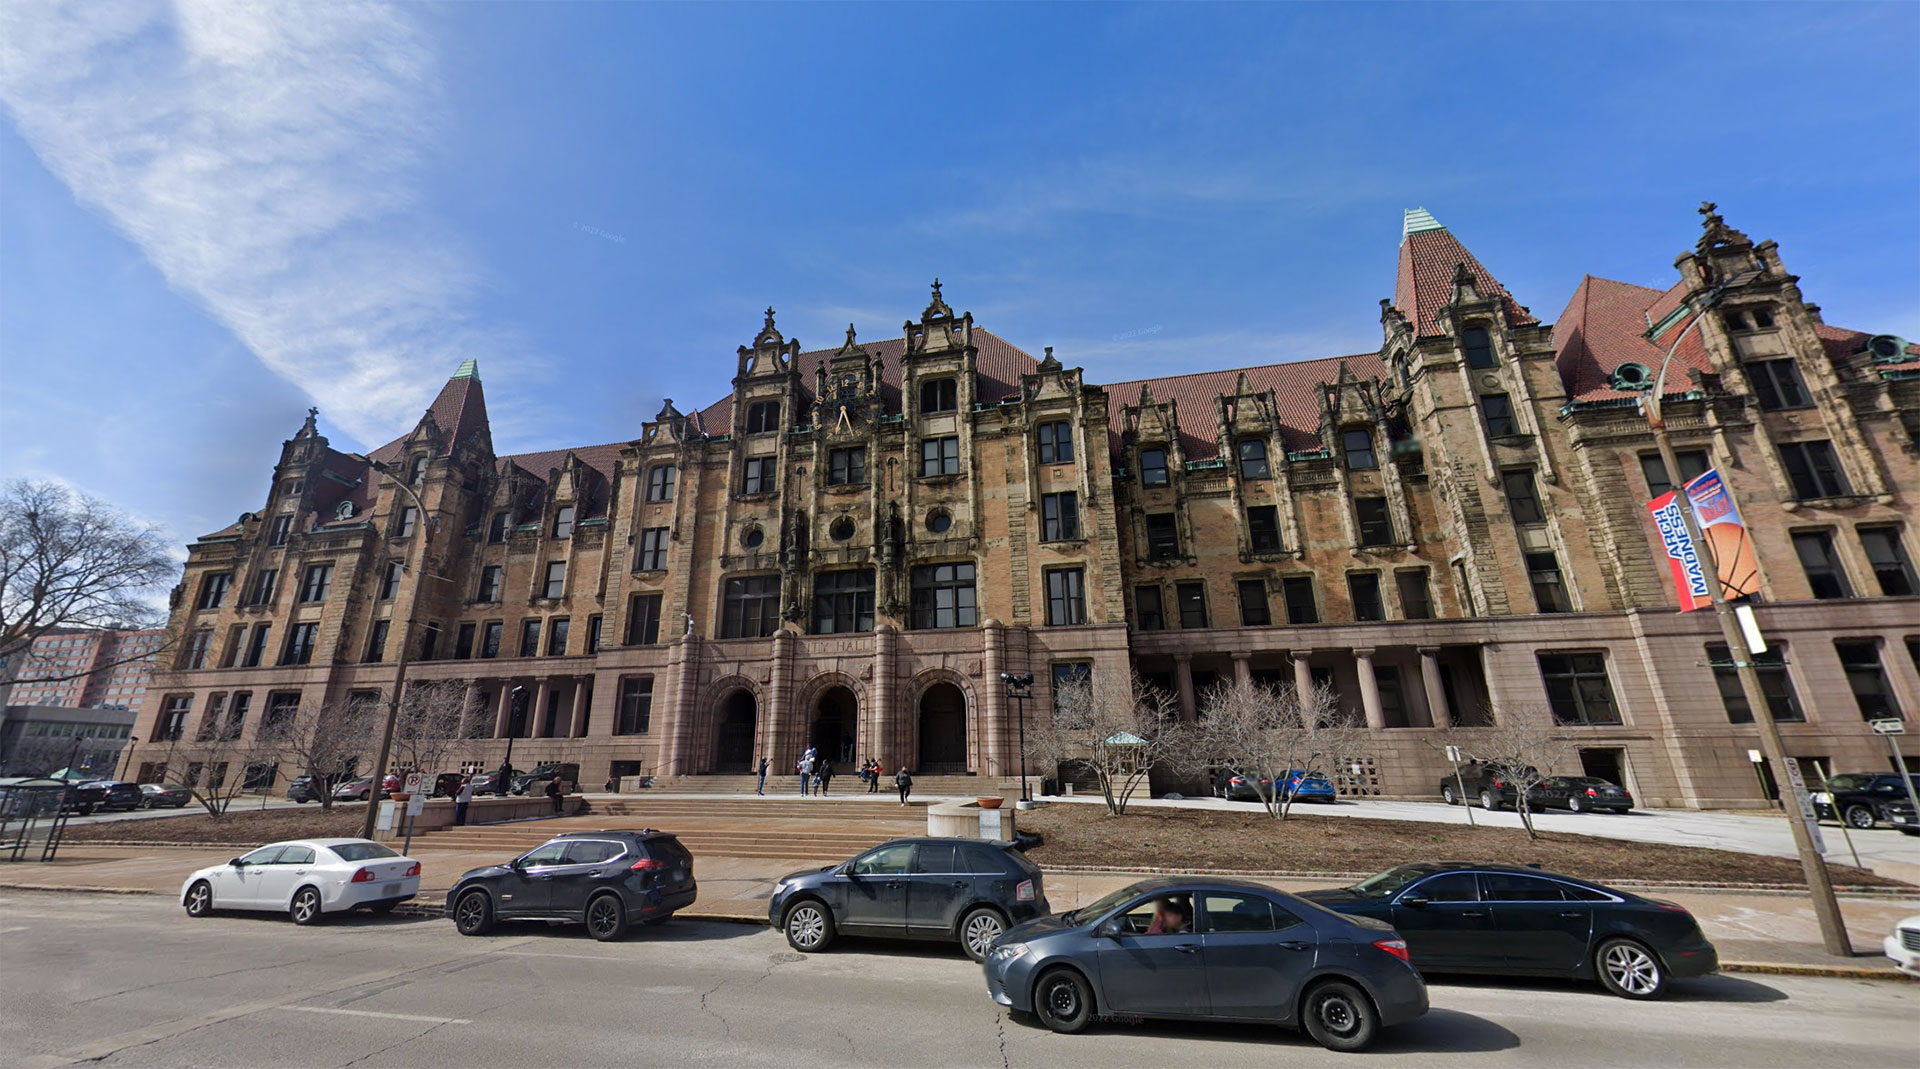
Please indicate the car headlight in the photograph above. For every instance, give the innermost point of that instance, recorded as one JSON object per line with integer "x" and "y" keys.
{"x": 1008, "y": 952}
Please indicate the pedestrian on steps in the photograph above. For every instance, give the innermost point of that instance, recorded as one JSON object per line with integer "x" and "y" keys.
{"x": 461, "y": 800}
{"x": 873, "y": 776}
{"x": 903, "y": 780}
{"x": 554, "y": 792}
{"x": 761, "y": 787}
{"x": 824, "y": 774}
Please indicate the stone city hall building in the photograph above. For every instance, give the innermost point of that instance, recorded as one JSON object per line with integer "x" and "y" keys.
{"x": 848, "y": 549}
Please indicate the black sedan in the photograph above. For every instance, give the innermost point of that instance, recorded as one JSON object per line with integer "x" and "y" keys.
{"x": 606, "y": 880}
{"x": 1466, "y": 918}
{"x": 117, "y": 794}
{"x": 965, "y": 890}
{"x": 157, "y": 795}
{"x": 1212, "y": 949}
{"x": 1580, "y": 794}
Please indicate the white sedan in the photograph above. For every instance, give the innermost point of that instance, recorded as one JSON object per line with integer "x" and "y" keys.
{"x": 305, "y": 878}
{"x": 1903, "y": 946}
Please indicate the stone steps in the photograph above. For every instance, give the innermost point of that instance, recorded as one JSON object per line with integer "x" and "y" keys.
{"x": 843, "y": 783}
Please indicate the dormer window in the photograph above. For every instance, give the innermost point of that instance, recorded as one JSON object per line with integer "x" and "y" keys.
{"x": 1253, "y": 459}
{"x": 939, "y": 395}
{"x": 1478, "y": 346}
{"x": 563, "y": 522}
{"x": 1056, "y": 442}
{"x": 1358, "y": 445}
{"x": 417, "y": 473}
{"x": 1153, "y": 467}
{"x": 660, "y": 482}
{"x": 763, "y": 416}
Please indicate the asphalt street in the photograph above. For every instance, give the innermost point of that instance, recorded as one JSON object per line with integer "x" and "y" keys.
{"x": 133, "y": 981}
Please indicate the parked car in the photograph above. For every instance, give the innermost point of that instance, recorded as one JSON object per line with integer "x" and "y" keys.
{"x": 1900, "y": 814}
{"x": 606, "y": 880}
{"x": 354, "y": 790}
{"x": 307, "y": 878}
{"x": 1245, "y": 952}
{"x": 447, "y": 785}
{"x": 1487, "y": 784}
{"x": 120, "y": 795}
{"x": 156, "y": 795}
{"x": 567, "y": 771}
{"x": 1860, "y": 798}
{"x": 1579, "y": 794}
{"x": 305, "y": 789}
{"x": 486, "y": 782}
{"x": 1235, "y": 787}
{"x": 1507, "y": 921}
{"x": 83, "y": 797}
{"x": 1308, "y": 787}
{"x": 966, "y": 890}
{"x": 1903, "y": 945}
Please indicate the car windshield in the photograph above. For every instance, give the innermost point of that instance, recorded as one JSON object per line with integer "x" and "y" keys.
{"x": 361, "y": 851}
{"x": 1389, "y": 882}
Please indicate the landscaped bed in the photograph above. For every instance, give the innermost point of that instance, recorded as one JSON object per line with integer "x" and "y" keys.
{"x": 240, "y": 826}
{"x": 1200, "y": 839}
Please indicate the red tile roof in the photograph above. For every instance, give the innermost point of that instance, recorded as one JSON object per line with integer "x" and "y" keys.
{"x": 460, "y": 412}
{"x": 1428, "y": 259}
{"x": 1295, "y": 385}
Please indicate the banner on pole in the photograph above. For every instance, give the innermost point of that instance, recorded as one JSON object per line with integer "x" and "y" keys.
{"x": 1736, "y": 568}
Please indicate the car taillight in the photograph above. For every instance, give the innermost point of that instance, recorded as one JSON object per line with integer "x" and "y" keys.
{"x": 363, "y": 876}
{"x": 1396, "y": 947}
{"x": 648, "y": 864}
{"x": 1671, "y": 908}
{"x": 1024, "y": 892}
{"x": 1498, "y": 782}
{"x": 1591, "y": 793}
{"x": 412, "y": 870}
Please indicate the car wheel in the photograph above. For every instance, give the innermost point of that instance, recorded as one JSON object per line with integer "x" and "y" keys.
{"x": 1339, "y": 1016}
{"x": 1575, "y": 805}
{"x": 473, "y": 913}
{"x": 306, "y": 906}
{"x": 978, "y": 930}
{"x": 809, "y": 927}
{"x": 1063, "y": 1000}
{"x": 1447, "y": 796}
{"x": 606, "y": 918}
{"x": 1488, "y": 802}
{"x": 1860, "y": 816}
{"x": 1630, "y": 970}
{"x": 200, "y": 899}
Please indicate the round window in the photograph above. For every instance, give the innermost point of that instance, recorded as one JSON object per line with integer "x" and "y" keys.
{"x": 753, "y": 538}
{"x": 841, "y": 530}
{"x": 939, "y": 522}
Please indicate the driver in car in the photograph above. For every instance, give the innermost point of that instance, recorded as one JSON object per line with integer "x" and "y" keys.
{"x": 1170, "y": 917}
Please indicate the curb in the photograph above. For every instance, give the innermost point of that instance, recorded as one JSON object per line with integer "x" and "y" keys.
{"x": 1875, "y": 890}
{"x": 1833, "y": 972}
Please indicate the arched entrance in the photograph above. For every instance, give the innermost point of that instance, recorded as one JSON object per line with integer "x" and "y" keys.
{"x": 733, "y": 739}
{"x": 834, "y": 732}
{"x": 943, "y": 731}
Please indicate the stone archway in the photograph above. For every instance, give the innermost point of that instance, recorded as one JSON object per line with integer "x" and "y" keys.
{"x": 943, "y": 731}
{"x": 833, "y": 730}
{"x": 734, "y": 733}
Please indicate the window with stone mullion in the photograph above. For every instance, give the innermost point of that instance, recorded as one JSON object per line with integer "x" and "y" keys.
{"x": 750, "y": 607}
{"x": 843, "y": 602}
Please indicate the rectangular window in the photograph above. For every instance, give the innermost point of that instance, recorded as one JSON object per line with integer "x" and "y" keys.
{"x": 750, "y": 607}
{"x": 943, "y": 596}
{"x": 430, "y": 642}
{"x": 490, "y": 584}
{"x": 847, "y": 467}
{"x": 282, "y": 527}
{"x": 491, "y": 634}
{"x": 1771, "y": 666}
{"x": 282, "y": 707}
{"x": 1253, "y": 458}
{"x": 1549, "y": 591}
{"x": 1153, "y": 467}
{"x": 1824, "y": 574}
{"x": 197, "y": 647}
{"x": 939, "y": 395}
{"x": 1889, "y": 561}
{"x": 660, "y": 480}
{"x": 213, "y": 589}
{"x": 300, "y": 639}
{"x": 636, "y": 706}
{"x": 1860, "y": 659}
{"x": 1814, "y": 470}
{"x": 1066, "y": 597}
{"x": 1059, "y": 517}
{"x": 940, "y": 456}
{"x": 256, "y": 646}
{"x": 1163, "y": 536}
{"x": 262, "y": 590}
{"x": 1192, "y": 599}
{"x": 555, "y": 586}
{"x": 1365, "y": 590}
{"x": 404, "y": 523}
{"x": 563, "y": 522}
{"x": 319, "y": 580}
{"x": 842, "y": 602}
{"x": 1358, "y": 446}
{"x": 1578, "y": 689}
{"x": 1777, "y": 384}
{"x": 1416, "y": 599}
{"x": 390, "y": 574}
{"x": 1056, "y": 442}
{"x": 498, "y": 528}
{"x": 643, "y": 620}
{"x": 760, "y": 476}
{"x": 1376, "y": 526}
{"x": 653, "y": 549}
{"x": 1254, "y": 608}
{"x": 173, "y": 718}
{"x": 463, "y": 641}
{"x": 1146, "y": 603}
{"x": 530, "y": 638}
{"x": 417, "y": 472}
{"x": 236, "y": 721}
{"x": 1478, "y": 346}
{"x": 377, "y": 641}
{"x": 1301, "y": 609}
{"x": 593, "y": 634}
{"x": 1522, "y": 499}
{"x": 1693, "y": 464}
{"x": 1263, "y": 528}
{"x": 557, "y": 636}
{"x": 1497, "y": 410}
{"x": 763, "y": 416}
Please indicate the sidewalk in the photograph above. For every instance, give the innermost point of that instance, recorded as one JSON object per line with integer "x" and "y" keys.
{"x": 1753, "y": 931}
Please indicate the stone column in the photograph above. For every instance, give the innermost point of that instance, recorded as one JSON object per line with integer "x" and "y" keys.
{"x": 1436, "y": 694}
{"x": 779, "y": 696}
{"x": 1183, "y": 683}
{"x": 1370, "y": 689}
{"x": 537, "y": 726}
{"x": 682, "y": 666}
{"x": 503, "y": 716}
{"x": 1243, "y": 667}
{"x": 885, "y": 714}
{"x": 577, "y": 720}
{"x": 1302, "y": 673}
{"x": 993, "y": 714}
{"x": 469, "y": 706}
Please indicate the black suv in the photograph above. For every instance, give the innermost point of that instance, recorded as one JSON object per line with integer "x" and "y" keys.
{"x": 1485, "y": 784}
{"x": 968, "y": 890}
{"x": 603, "y": 879}
{"x": 1860, "y": 798}
{"x": 118, "y": 794}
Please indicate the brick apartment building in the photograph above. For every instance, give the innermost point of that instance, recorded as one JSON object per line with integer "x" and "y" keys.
{"x": 849, "y": 548}
{"x": 75, "y": 668}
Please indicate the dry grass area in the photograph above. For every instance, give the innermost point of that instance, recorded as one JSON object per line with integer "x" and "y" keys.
{"x": 1084, "y": 835}
{"x": 238, "y": 826}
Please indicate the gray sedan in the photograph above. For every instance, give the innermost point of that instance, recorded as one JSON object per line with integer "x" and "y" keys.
{"x": 1210, "y": 949}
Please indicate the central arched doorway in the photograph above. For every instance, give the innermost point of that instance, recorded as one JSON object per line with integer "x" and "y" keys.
{"x": 733, "y": 739}
{"x": 834, "y": 732}
{"x": 943, "y": 731}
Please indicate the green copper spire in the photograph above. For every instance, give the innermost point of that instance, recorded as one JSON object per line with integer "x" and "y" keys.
{"x": 469, "y": 369}
{"x": 1419, "y": 220}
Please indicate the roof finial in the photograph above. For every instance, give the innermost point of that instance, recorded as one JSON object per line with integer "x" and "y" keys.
{"x": 937, "y": 307}
{"x": 769, "y": 323}
{"x": 849, "y": 333}
{"x": 310, "y": 429}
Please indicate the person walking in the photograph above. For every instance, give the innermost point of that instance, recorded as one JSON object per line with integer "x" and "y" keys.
{"x": 805, "y": 768}
{"x": 554, "y": 792}
{"x": 903, "y": 780}
{"x": 462, "y": 799}
{"x": 873, "y": 776}
{"x": 761, "y": 787}
{"x": 824, "y": 775}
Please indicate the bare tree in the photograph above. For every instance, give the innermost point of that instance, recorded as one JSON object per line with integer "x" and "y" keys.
{"x": 324, "y": 743}
{"x": 1522, "y": 747}
{"x": 435, "y": 717}
{"x": 220, "y": 766}
{"x": 1119, "y": 726}
{"x": 1264, "y": 732}
{"x": 70, "y": 560}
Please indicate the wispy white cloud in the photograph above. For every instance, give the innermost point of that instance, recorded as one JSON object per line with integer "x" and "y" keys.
{"x": 264, "y": 158}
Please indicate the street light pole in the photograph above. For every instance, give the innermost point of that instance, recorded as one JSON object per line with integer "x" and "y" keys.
{"x": 427, "y": 524}
{"x": 1018, "y": 685}
{"x": 128, "y": 763}
{"x": 1826, "y": 908}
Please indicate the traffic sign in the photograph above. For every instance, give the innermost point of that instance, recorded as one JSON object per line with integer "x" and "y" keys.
{"x": 1453, "y": 754}
{"x": 413, "y": 782}
{"x": 1891, "y": 725}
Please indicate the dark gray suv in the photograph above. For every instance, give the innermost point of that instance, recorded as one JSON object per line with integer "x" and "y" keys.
{"x": 966, "y": 890}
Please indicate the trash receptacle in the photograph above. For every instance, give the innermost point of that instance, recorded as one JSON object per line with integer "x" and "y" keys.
{"x": 1049, "y": 787}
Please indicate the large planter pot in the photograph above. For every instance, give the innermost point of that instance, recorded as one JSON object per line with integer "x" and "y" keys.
{"x": 400, "y": 796}
{"x": 989, "y": 803}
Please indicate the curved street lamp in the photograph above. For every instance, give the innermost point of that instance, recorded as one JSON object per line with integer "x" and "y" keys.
{"x": 427, "y": 524}
{"x": 1019, "y": 688}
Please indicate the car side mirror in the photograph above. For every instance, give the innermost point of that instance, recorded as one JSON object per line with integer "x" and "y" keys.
{"x": 518, "y": 864}
{"x": 1413, "y": 901}
{"x": 1109, "y": 929}
{"x": 238, "y": 862}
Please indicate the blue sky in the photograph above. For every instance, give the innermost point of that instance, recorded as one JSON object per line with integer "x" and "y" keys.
{"x": 213, "y": 216}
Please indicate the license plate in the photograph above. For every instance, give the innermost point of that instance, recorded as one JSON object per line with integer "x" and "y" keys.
{"x": 679, "y": 875}
{"x": 390, "y": 889}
